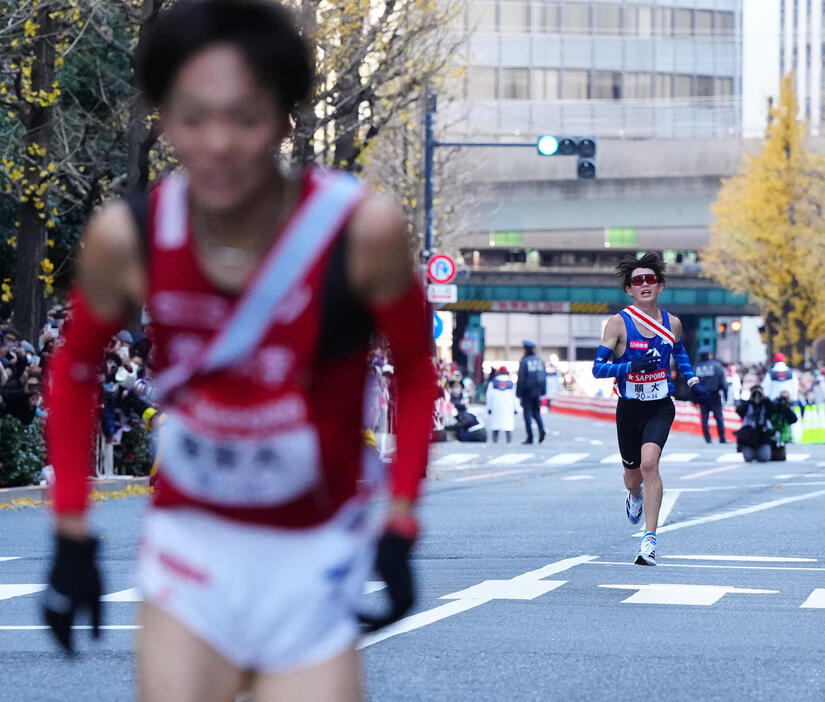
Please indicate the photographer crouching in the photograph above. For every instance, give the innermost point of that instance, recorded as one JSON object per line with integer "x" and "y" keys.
{"x": 761, "y": 420}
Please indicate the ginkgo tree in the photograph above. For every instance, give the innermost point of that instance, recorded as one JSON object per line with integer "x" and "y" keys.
{"x": 767, "y": 236}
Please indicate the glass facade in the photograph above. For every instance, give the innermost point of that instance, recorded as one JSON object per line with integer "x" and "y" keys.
{"x": 658, "y": 69}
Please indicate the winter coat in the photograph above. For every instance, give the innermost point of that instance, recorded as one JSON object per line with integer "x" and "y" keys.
{"x": 501, "y": 403}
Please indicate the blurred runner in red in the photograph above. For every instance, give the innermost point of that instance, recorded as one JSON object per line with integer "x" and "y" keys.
{"x": 264, "y": 289}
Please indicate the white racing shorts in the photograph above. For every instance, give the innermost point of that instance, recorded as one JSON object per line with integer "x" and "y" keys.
{"x": 267, "y": 599}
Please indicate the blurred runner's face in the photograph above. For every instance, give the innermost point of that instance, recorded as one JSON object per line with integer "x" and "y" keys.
{"x": 225, "y": 127}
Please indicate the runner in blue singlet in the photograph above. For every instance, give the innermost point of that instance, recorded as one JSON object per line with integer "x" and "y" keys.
{"x": 642, "y": 338}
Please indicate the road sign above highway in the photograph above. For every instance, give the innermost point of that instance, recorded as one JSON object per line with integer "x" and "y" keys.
{"x": 441, "y": 269}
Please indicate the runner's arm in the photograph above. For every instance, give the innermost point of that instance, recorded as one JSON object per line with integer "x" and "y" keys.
{"x": 381, "y": 271}
{"x": 602, "y": 367}
{"x": 680, "y": 355}
{"x": 109, "y": 283}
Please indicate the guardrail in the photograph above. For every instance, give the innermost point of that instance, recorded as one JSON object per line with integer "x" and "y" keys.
{"x": 688, "y": 420}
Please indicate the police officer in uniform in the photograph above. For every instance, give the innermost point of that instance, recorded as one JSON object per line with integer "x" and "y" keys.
{"x": 530, "y": 387}
{"x": 712, "y": 376}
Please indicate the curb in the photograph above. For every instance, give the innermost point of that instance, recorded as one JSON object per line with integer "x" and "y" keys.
{"x": 41, "y": 493}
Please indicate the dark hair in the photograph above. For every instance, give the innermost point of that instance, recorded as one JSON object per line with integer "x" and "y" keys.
{"x": 629, "y": 263}
{"x": 265, "y": 33}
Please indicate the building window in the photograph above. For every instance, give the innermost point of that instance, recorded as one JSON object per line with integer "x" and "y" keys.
{"x": 574, "y": 85}
{"x": 546, "y": 17}
{"x": 663, "y": 21}
{"x": 575, "y": 19}
{"x": 723, "y": 24}
{"x": 638, "y": 85}
{"x": 724, "y": 86}
{"x": 663, "y": 85}
{"x": 607, "y": 19}
{"x": 704, "y": 86}
{"x": 514, "y": 84}
{"x": 515, "y": 16}
{"x": 607, "y": 85}
{"x": 703, "y": 23}
{"x": 644, "y": 21}
{"x": 682, "y": 86}
{"x": 481, "y": 83}
{"x": 483, "y": 16}
{"x": 545, "y": 84}
{"x": 682, "y": 23}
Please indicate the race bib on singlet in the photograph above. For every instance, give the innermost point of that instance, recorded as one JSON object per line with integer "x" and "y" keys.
{"x": 240, "y": 472}
{"x": 646, "y": 386}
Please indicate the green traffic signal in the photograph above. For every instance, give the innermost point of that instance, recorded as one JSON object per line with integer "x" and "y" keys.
{"x": 547, "y": 145}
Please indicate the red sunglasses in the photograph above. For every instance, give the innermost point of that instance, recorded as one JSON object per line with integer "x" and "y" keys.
{"x": 649, "y": 278}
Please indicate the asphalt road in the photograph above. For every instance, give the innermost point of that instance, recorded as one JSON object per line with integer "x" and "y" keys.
{"x": 527, "y": 588}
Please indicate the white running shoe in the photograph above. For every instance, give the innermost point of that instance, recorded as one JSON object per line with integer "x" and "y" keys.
{"x": 633, "y": 507}
{"x": 647, "y": 553}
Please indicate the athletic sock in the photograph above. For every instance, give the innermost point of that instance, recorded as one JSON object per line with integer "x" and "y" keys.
{"x": 637, "y": 498}
{"x": 650, "y": 536}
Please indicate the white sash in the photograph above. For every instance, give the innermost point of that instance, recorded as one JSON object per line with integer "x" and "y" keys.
{"x": 647, "y": 321}
{"x": 311, "y": 229}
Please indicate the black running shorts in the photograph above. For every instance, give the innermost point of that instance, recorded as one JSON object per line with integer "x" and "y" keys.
{"x": 639, "y": 422}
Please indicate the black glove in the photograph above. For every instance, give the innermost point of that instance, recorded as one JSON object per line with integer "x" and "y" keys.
{"x": 74, "y": 585}
{"x": 700, "y": 392}
{"x": 645, "y": 364}
{"x": 393, "y": 565}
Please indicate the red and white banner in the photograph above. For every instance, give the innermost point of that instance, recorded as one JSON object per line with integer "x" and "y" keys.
{"x": 688, "y": 419}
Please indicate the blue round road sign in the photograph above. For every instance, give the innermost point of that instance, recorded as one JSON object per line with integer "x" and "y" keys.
{"x": 438, "y": 326}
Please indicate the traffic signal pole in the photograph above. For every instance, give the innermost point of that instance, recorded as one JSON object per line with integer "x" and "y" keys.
{"x": 584, "y": 147}
{"x": 430, "y": 145}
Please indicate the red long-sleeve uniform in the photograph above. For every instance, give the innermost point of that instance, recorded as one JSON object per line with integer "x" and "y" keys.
{"x": 274, "y": 439}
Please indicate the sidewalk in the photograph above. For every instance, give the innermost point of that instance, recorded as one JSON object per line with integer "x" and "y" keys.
{"x": 40, "y": 493}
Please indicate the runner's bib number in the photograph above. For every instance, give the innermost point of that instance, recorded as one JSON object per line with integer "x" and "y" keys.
{"x": 240, "y": 472}
{"x": 646, "y": 386}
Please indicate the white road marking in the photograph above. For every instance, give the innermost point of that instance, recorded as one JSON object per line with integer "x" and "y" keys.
{"x": 613, "y": 458}
{"x": 596, "y": 442}
{"x": 565, "y": 459}
{"x": 374, "y": 586}
{"x": 581, "y": 476}
{"x": 9, "y": 591}
{"x": 677, "y": 457}
{"x": 416, "y": 621}
{"x": 497, "y": 474}
{"x": 730, "y": 458}
{"x": 712, "y": 567}
{"x": 669, "y": 498}
{"x": 510, "y": 459}
{"x": 739, "y": 512}
{"x": 132, "y": 594}
{"x": 797, "y": 457}
{"x": 676, "y": 594}
{"x": 9, "y": 558}
{"x": 816, "y": 600}
{"x": 454, "y": 459}
{"x": 711, "y": 471}
{"x": 505, "y": 590}
{"x": 745, "y": 559}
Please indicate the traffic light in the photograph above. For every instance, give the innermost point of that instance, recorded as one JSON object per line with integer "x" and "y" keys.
{"x": 722, "y": 328}
{"x": 582, "y": 146}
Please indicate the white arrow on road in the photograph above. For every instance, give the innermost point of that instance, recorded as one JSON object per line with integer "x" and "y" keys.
{"x": 675, "y": 594}
{"x": 9, "y": 591}
{"x": 522, "y": 586}
{"x": 816, "y": 600}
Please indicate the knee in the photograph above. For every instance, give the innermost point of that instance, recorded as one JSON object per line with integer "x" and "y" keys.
{"x": 649, "y": 469}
